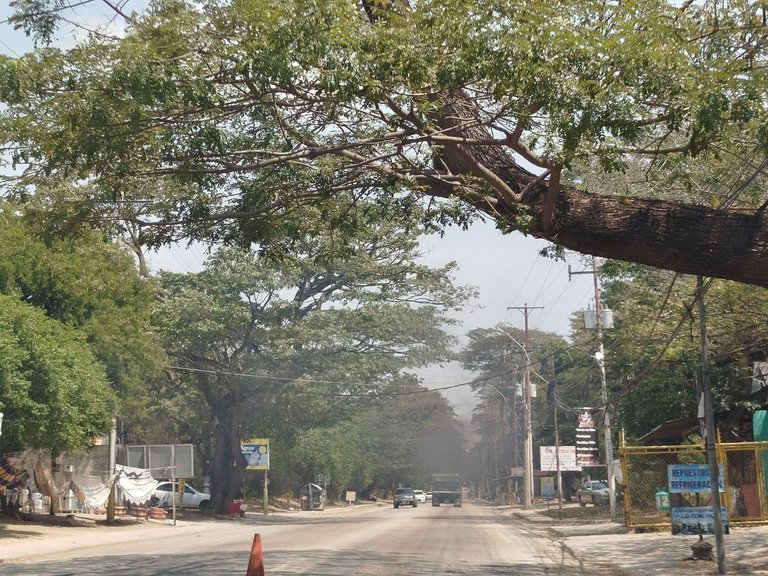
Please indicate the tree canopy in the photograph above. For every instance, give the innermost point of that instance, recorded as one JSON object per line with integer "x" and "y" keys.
{"x": 500, "y": 355}
{"x": 78, "y": 277}
{"x": 278, "y": 347}
{"x": 654, "y": 350}
{"x": 238, "y": 111}
{"x": 399, "y": 438}
{"x": 54, "y": 393}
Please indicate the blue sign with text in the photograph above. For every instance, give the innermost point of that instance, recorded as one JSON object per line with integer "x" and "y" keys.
{"x": 697, "y": 520}
{"x": 692, "y": 478}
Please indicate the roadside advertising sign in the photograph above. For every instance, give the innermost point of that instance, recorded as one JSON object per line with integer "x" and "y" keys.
{"x": 567, "y": 459}
{"x": 692, "y": 479}
{"x": 256, "y": 453}
{"x": 587, "y": 447}
{"x": 697, "y": 520}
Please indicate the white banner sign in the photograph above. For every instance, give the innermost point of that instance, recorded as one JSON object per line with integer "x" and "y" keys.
{"x": 567, "y": 459}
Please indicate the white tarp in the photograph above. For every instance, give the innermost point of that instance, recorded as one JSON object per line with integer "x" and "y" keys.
{"x": 92, "y": 490}
{"x": 137, "y": 483}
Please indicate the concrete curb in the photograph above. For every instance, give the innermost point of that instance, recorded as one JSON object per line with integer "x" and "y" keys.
{"x": 609, "y": 545}
{"x": 588, "y": 530}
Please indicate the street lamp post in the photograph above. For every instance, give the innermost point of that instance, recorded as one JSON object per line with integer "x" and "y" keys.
{"x": 502, "y": 462}
{"x": 600, "y": 357}
{"x": 528, "y": 459}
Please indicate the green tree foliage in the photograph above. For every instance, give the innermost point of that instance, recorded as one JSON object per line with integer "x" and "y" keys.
{"x": 78, "y": 278}
{"x": 654, "y": 350}
{"x": 276, "y": 346}
{"x": 395, "y": 439}
{"x": 237, "y": 112}
{"x": 54, "y": 393}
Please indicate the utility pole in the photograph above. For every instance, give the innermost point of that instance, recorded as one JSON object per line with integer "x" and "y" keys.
{"x": 557, "y": 440}
{"x": 528, "y": 490}
{"x": 112, "y": 464}
{"x": 265, "y": 495}
{"x": 502, "y": 421}
{"x": 501, "y": 462}
{"x": 600, "y": 357}
{"x": 709, "y": 440}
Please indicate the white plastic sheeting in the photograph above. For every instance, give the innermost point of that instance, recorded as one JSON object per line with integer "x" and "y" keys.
{"x": 137, "y": 485}
{"x": 92, "y": 490}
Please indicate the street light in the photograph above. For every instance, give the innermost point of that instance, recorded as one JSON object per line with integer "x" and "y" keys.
{"x": 528, "y": 460}
{"x": 502, "y": 460}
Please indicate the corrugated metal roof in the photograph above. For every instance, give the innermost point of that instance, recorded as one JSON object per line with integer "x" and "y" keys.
{"x": 672, "y": 430}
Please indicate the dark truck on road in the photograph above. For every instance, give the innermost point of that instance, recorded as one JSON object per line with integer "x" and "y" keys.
{"x": 446, "y": 488}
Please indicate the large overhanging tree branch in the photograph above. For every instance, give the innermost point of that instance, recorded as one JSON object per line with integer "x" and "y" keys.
{"x": 234, "y": 115}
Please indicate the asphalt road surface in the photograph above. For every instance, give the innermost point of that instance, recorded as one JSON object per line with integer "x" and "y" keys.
{"x": 363, "y": 540}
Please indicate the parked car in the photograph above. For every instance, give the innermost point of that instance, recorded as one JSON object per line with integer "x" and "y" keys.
{"x": 592, "y": 492}
{"x": 192, "y": 498}
{"x": 420, "y": 496}
{"x": 405, "y": 497}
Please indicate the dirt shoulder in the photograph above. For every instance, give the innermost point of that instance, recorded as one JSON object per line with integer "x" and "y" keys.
{"x": 41, "y": 534}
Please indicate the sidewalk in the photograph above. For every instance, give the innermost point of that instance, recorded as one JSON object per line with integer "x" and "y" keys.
{"x": 609, "y": 545}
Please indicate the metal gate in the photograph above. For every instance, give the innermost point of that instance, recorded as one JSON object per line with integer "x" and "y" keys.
{"x": 645, "y": 473}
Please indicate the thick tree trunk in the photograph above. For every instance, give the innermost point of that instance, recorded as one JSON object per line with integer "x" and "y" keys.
{"x": 228, "y": 464}
{"x": 684, "y": 238}
{"x": 680, "y": 237}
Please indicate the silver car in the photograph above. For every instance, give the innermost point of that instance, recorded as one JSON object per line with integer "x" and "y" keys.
{"x": 592, "y": 492}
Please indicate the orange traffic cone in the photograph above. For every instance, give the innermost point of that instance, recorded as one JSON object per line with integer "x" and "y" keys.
{"x": 256, "y": 562}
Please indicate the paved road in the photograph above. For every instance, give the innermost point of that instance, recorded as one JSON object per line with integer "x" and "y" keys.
{"x": 472, "y": 540}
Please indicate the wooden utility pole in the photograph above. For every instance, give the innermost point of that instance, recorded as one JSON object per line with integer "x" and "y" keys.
{"x": 265, "y": 495}
{"x": 112, "y": 464}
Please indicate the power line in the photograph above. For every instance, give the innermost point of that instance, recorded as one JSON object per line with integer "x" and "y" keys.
{"x": 319, "y": 381}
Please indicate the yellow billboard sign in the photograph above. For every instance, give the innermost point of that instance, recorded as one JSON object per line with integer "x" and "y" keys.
{"x": 256, "y": 453}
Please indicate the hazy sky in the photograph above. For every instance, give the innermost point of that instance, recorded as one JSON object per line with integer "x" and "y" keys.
{"x": 507, "y": 269}
{"x": 508, "y": 272}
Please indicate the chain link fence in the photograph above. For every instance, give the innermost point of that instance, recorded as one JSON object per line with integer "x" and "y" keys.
{"x": 645, "y": 471}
